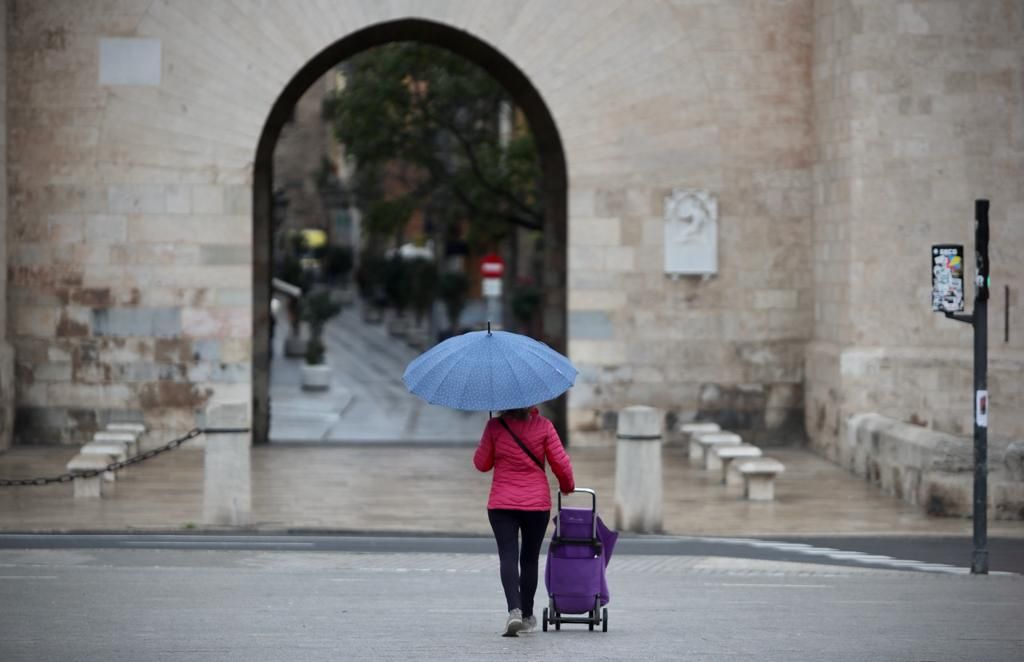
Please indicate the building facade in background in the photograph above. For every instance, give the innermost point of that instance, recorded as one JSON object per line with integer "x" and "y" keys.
{"x": 839, "y": 138}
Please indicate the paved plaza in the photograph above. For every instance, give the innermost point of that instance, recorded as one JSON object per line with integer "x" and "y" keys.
{"x": 367, "y": 456}
{"x": 155, "y": 605}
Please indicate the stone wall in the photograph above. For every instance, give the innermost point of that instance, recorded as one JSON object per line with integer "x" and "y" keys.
{"x": 131, "y": 192}
{"x": 931, "y": 469}
{"x": 919, "y": 110}
{"x": 727, "y": 109}
{"x": 6, "y": 351}
{"x": 840, "y": 137}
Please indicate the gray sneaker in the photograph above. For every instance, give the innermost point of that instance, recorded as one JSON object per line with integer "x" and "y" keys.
{"x": 514, "y": 623}
{"x": 529, "y": 624}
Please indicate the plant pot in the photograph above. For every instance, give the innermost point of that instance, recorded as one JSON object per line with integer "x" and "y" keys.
{"x": 316, "y": 377}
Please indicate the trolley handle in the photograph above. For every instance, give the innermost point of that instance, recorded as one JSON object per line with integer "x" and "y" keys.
{"x": 593, "y": 508}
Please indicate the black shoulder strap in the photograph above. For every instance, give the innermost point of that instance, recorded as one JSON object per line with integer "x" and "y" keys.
{"x": 521, "y": 444}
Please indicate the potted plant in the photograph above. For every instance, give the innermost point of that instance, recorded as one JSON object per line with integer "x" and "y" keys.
{"x": 453, "y": 286}
{"x": 317, "y": 309}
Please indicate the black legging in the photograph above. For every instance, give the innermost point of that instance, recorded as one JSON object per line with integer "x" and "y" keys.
{"x": 519, "y": 569}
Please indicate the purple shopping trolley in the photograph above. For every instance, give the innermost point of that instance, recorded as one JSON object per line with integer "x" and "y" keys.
{"x": 575, "y": 575}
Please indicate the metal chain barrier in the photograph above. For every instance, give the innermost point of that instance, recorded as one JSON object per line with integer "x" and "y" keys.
{"x": 114, "y": 466}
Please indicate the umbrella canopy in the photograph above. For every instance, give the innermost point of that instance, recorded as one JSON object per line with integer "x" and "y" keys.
{"x": 489, "y": 371}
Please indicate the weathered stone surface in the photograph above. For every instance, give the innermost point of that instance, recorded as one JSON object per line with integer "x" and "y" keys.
{"x": 1014, "y": 460}
{"x": 816, "y": 124}
{"x": 150, "y": 322}
{"x": 929, "y": 468}
{"x": 227, "y": 488}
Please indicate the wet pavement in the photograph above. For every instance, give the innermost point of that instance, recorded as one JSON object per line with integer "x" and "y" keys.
{"x": 368, "y": 457}
{"x": 367, "y": 401}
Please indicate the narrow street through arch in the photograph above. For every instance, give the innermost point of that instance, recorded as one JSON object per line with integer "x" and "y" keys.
{"x": 367, "y": 401}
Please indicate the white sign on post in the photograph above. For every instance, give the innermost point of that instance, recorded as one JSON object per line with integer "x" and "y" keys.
{"x": 492, "y": 287}
{"x": 981, "y": 408}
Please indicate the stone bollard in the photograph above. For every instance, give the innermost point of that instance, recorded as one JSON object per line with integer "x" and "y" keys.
{"x": 638, "y": 498}
{"x": 227, "y": 486}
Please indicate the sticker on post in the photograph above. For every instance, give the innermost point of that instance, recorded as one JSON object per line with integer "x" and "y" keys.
{"x": 948, "y": 278}
{"x": 981, "y": 409}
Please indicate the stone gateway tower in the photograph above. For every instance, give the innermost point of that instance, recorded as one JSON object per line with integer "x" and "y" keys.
{"x": 748, "y": 191}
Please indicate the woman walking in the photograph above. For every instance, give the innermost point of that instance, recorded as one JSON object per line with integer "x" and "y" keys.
{"x": 517, "y": 444}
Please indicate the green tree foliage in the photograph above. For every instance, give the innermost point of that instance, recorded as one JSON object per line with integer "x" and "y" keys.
{"x": 435, "y": 115}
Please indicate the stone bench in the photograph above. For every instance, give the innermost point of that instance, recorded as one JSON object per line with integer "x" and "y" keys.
{"x": 93, "y": 487}
{"x": 128, "y": 437}
{"x": 112, "y": 452}
{"x": 727, "y": 456}
{"x": 759, "y": 478}
{"x": 687, "y": 431}
{"x": 705, "y": 440}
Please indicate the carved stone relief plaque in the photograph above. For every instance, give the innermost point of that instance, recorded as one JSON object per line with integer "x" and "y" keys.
{"x": 691, "y": 232}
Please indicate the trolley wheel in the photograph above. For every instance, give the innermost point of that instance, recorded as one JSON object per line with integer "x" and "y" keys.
{"x": 544, "y": 623}
{"x": 558, "y": 623}
{"x": 604, "y": 620}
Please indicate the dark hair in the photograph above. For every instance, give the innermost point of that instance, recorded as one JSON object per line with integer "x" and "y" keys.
{"x": 520, "y": 414}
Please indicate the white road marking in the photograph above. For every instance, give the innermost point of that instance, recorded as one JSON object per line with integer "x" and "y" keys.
{"x": 28, "y": 577}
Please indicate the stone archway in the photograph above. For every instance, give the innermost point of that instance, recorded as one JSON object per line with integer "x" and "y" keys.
{"x": 549, "y": 145}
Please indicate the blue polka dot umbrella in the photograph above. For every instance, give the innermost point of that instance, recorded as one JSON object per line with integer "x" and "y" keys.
{"x": 489, "y": 371}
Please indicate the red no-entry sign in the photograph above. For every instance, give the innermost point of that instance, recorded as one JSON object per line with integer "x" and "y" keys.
{"x": 492, "y": 266}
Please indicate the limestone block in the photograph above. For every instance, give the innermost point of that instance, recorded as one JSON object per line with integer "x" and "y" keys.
{"x": 6, "y": 392}
{"x": 1013, "y": 460}
{"x": 128, "y": 437}
{"x": 595, "y": 231}
{"x": 687, "y": 431}
{"x": 207, "y": 199}
{"x": 590, "y": 325}
{"x": 759, "y": 476}
{"x": 111, "y": 452}
{"x": 700, "y": 442}
{"x": 712, "y": 460}
{"x": 151, "y": 322}
{"x": 92, "y": 487}
{"x": 727, "y": 455}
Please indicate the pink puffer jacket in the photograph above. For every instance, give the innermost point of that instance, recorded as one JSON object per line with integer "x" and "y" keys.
{"x": 519, "y": 484}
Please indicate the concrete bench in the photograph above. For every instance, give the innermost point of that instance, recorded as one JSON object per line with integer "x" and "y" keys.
{"x": 759, "y": 478}
{"x": 705, "y": 440}
{"x": 727, "y": 456}
{"x": 112, "y": 452}
{"x": 130, "y": 440}
{"x": 688, "y": 431}
{"x": 137, "y": 428}
{"x": 93, "y": 487}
